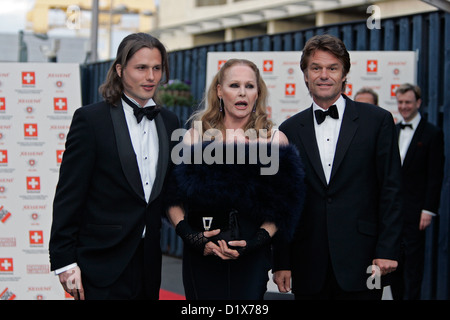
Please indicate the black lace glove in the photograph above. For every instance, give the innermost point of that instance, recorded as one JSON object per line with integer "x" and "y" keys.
{"x": 261, "y": 238}
{"x": 195, "y": 240}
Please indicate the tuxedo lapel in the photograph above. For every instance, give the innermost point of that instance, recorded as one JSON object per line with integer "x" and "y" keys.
{"x": 126, "y": 151}
{"x": 397, "y": 128}
{"x": 163, "y": 157}
{"x": 414, "y": 143}
{"x": 348, "y": 129}
{"x": 308, "y": 137}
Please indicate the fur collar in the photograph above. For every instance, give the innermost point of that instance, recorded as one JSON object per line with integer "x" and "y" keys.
{"x": 276, "y": 197}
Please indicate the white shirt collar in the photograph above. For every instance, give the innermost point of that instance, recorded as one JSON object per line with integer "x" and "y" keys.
{"x": 415, "y": 121}
{"x": 340, "y": 105}
{"x": 149, "y": 103}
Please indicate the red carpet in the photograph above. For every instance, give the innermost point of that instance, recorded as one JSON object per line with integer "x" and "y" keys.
{"x": 168, "y": 295}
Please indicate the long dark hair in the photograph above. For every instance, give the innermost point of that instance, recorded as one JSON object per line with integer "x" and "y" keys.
{"x": 112, "y": 88}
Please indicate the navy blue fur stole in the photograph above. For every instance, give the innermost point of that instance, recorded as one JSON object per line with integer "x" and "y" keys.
{"x": 276, "y": 197}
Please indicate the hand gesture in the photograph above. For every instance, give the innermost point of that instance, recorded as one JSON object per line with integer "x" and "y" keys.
{"x": 71, "y": 282}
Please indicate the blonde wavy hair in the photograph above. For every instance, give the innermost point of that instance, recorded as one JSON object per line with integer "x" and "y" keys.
{"x": 213, "y": 118}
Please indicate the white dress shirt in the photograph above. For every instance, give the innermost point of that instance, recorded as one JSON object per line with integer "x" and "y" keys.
{"x": 406, "y": 135}
{"x": 144, "y": 138}
{"x": 327, "y": 134}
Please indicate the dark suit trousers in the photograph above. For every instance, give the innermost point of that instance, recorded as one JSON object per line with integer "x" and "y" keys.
{"x": 332, "y": 291}
{"x": 129, "y": 286}
{"x": 407, "y": 283}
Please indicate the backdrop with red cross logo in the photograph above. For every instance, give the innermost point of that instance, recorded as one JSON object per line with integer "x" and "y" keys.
{"x": 37, "y": 101}
{"x": 383, "y": 71}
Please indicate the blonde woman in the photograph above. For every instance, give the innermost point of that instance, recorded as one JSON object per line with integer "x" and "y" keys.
{"x": 223, "y": 205}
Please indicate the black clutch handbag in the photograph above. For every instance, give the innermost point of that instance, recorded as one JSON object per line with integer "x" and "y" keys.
{"x": 230, "y": 232}
{"x": 226, "y": 221}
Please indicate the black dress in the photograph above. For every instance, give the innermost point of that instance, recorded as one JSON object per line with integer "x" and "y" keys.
{"x": 206, "y": 189}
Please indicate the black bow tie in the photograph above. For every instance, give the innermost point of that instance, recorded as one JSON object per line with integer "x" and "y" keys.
{"x": 321, "y": 115}
{"x": 404, "y": 125}
{"x": 150, "y": 112}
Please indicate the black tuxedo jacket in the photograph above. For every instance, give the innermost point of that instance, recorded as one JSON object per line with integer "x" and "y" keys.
{"x": 99, "y": 209}
{"x": 422, "y": 172}
{"x": 356, "y": 217}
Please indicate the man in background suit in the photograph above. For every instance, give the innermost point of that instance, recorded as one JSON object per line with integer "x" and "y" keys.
{"x": 421, "y": 147}
{"x": 105, "y": 235}
{"x": 351, "y": 223}
{"x": 367, "y": 95}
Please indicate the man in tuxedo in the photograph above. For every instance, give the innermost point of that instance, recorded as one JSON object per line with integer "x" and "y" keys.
{"x": 105, "y": 235}
{"x": 351, "y": 224}
{"x": 421, "y": 147}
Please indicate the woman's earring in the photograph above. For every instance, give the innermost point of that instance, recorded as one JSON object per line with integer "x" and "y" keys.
{"x": 220, "y": 104}
{"x": 254, "y": 108}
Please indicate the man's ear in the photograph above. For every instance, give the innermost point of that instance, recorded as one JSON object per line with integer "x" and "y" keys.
{"x": 119, "y": 70}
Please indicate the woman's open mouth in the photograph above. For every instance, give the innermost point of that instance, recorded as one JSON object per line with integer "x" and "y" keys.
{"x": 241, "y": 104}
